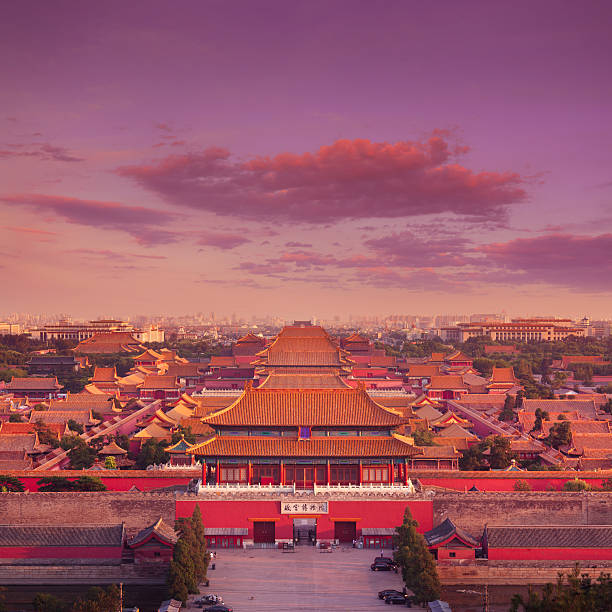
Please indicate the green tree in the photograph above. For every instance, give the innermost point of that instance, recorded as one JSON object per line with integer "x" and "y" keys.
{"x": 419, "y": 571}
{"x": 575, "y": 592}
{"x": 74, "y": 426}
{"x": 560, "y": 434}
{"x": 184, "y": 432}
{"x": 152, "y": 452}
{"x": 473, "y": 459}
{"x": 500, "y": 453}
{"x": 110, "y": 463}
{"x": 576, "y": 485}
{"x": 81, "y": 456}
{"x": 45, "y": 435}
{"x": 10, "y": 484}
{"x": 507, "y": 413}
{"x": 423, "y": 437}
{"x": 522, "y": 485}
{"x": 540, "y": 415}
{"x": 98, "y": 599}
{"x": 177, "y": 582}
{"x": 45, "y": 602}
{"x": 49, "y": 484}
{"x": 15, "y": 418}
{"x": 89, "y": 483}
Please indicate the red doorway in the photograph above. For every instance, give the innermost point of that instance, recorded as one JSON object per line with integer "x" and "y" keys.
{"x": 345, "y": 531}
{"x": 264, "y": 532}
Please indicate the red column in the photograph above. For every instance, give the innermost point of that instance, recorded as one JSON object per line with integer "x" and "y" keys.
{"x": 282, "y": 473}
{"x": 218, "y": 472}
{"x": 360, "y": 472}
{"x": 405, "y": 473}
{"x": 390, "y": 472}
{"x": 249, "y": 473}
{"x": 328, "y": 473}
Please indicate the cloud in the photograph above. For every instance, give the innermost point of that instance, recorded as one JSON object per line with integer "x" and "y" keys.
{"x": 349, "y": 179}
{"x": 409, "y": 250}
{"x": 560, "y": 259}
{"x": 140, "y": 222}
{"x": 44, "y": 151}
{"x": 298, "y": 245}
{"x": 110, "y": 255}
{"x": 221, "y": 240}
{"x": 29, "y": 230}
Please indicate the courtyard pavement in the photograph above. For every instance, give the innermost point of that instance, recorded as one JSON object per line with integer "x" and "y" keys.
{"x": 307, "y": 579}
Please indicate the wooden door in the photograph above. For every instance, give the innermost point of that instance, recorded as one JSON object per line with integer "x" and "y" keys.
{"x": 345, "y": 531}
{"x": 264, "y": 532}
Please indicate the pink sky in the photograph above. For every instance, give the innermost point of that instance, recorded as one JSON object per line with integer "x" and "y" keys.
{"x": 306, "y": 158}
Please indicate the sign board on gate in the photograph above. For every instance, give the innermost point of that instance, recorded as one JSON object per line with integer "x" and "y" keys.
{"x": 304, "y": 507}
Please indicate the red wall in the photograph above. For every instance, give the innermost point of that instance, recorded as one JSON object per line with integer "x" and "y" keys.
{"x": 61, "y": 552}
{"x": 119, "y": 482}
{"x": 240, "y": 513}
{"x": 505, "y": 483}
{"x": 563, "y": 554}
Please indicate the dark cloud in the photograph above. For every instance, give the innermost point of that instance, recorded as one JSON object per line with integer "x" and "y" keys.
{"x": 409, "y": 250}
{"x": 44, "y": 151}
{"x": 350, "y": 179}
{"x": 559, "y": 259}
{"x": 298, "y": 245}
{"x": 221, "y": 240}
{"x": 140, "y": 222}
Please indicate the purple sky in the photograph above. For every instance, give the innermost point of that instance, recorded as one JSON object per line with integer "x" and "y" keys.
{"x": 306, "y": 158}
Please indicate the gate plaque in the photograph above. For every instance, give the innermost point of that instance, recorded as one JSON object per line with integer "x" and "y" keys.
{"x": 302, "y": 507}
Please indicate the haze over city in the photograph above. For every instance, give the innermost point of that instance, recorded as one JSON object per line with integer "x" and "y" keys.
{"x": 306, "y": 159}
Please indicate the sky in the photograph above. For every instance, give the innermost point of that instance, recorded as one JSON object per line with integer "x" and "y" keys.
{"x": 306, "y": 158}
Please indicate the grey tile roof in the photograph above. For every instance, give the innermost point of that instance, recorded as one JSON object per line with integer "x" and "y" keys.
{"x": 160, "y": 529}
{"x": 446, "y": 530}
{"x": 550, "y": 536}
{"x": 61, "y": 535}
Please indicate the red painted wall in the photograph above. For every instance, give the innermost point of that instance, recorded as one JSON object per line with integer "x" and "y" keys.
{"x": 563, "y": 554}
{"x": 460, "y": 553}
{"x": 61, "y": 552}
{"x": 119, "y": 482}
{"x": 240, "y": 513}
{"x": 505, "y": 483}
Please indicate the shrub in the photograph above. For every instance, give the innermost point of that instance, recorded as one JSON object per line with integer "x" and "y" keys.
{"x": 576, "y": 485}
{"x": 522, "y": 485}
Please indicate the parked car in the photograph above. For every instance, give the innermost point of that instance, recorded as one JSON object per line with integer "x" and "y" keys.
{"x": 386, "y": 592}
{"x": 396, "y": 600}
{"x": 382, "y": 567}
{"x": 210, "y": 598}
{"x": 218, "y": 608}
{"x": 388, "y": 560}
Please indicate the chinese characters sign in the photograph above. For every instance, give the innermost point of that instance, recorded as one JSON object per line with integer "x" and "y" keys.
{"x": 302, "y": 507}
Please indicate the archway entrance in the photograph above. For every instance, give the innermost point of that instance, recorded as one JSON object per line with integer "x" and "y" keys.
{"x": 305, "y": 531}
{"x": 345, "y": 531}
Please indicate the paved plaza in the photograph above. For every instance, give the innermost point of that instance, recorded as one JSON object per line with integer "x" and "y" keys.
{"x": 307, "y": 579}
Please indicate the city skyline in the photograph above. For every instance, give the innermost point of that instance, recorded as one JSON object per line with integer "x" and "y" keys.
{"x": 306, "y": 159}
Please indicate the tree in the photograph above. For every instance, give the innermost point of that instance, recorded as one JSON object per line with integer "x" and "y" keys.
{"x": 89, "y": 483}
{"x": 189, "y": 559}
{"x": 522, "y": 485}
{"x": 15, "y": 418}
{"x": 572, "y": 591}
{"x": 184, "y": 432}
{"x": 74, "y": 426}
{"x": 152, "y": 452}
{"x": 540, "y": 415}
{"x": 501, "y": 455}
{"x": 560, "y": 434}
{"x": 419, "y": 571}
{"x": 423, "y": 437}
{"x": 473, "y": 459}
{"x": 45, "y": 435}
{"x": 81, "y": 456}
{"x": 53, "y": 484}
{"x": 45, "y": 602}
{"x": 56, "y": 484}
{"x": 10, "y": 484}
{"x": 110, "y": 463}
{"x": 507, "y": 413}
{"x": 576, "y": 485}
{"x": 98, "y": 599}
